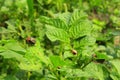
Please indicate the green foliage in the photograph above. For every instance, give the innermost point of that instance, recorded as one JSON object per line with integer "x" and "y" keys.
{"x": 77, "y": 26}
{"x": 30, "y": 8}
{"x": 57, "y": 61}
{"x": 95, "y": 70}
{"x": 10, "y": 51}
{"x": 59, "y": 40}
{"x": 116, "y": 65}
{"x": 57, "y": 34}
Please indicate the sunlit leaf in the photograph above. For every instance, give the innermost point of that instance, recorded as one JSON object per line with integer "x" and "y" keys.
{"x": 87, "y": 41}
{"x": 57, "y": 61}
{"x": 77, "y": 16}
{"x": 95, "y": 70}
{"x": 12, "y": 54}
{"x": 80, "y": 29}
{"x": 116, "y": 65}
{"x": 57, "y": 34}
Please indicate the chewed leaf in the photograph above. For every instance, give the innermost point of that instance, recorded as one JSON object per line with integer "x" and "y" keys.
{"x": 34, "y": 58}
{"x": 57, "y": 34}
{"x": 30, "y": 66}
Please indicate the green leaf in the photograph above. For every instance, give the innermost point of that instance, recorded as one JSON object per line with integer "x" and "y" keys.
{"x": 29, "y": 66}
{"x": 10, "y": 77}
{"x": 95, "y": 70}
{"x": 13, "y": 45}
{"x": 45, "y": 20}
{"x": 36, "y": 52}
{"x": 77, "y": 73}
{"x": 51, "y": 77}
{"x": 1, "y": 49}
{"x": 30, "y": 4}
{"x": 30, "y": 7}
{"x": 116, "y": 65}
{"x": 57, "y": 34}
{"x": 68, "y": 54}
{"x": 56, "y": 22}
{"x": 12, "y": 54}
{"x": 80, "y": 29}
{"x": 114, "y": 77}
{"x": 77, "y": 16}
{"x": 12, "y": 49}
{"x": 87, "y": 41}
{"x": 34, "y": 58}
{"x": 57, "y": 61}
{"x": 11, "y": 26}
{"x": 101, "y": 55}
{"x": 65, "y": 17}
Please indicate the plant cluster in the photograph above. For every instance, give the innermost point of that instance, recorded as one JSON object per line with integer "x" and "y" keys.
{"x": 59, "y": 40}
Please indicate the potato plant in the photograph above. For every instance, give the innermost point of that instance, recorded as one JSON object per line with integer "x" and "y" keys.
{"x": 59, "y": 40}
